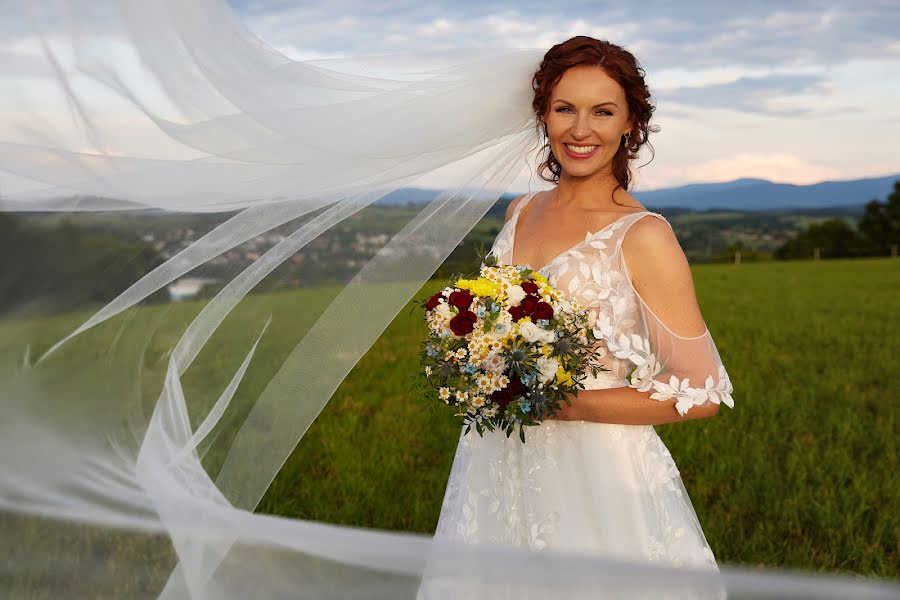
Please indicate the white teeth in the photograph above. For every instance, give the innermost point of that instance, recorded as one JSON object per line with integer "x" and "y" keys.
{"x": 581, "y": 149}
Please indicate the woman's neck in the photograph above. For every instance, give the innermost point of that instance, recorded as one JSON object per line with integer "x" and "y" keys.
{"x": 589, "y": 193}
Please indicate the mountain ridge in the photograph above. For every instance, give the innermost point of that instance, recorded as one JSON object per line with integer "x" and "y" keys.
{"x": 743, "y": 194}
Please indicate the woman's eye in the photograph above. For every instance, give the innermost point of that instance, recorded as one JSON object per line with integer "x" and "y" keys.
{"x": 560, "y": 109}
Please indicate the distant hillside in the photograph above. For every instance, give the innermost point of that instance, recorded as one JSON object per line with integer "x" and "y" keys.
{"x": 760, "y": 194}
{"x": 740, "y": 194}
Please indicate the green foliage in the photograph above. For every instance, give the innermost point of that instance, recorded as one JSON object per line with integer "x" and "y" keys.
{"x": 881, "y": 223}
{"x": 728, "y": 253}
{"x": 58, "y": 268}
{"x": 877, "y": 231}
{"x": 834, "y": 239}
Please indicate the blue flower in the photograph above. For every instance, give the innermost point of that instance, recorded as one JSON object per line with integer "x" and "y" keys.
{"x": 432, "y": 352}
{"x": 543, "y": 322}
{"x": 470, "y": 368}
{"x": 480, "y": 311}
{"x": 526, "y": 406}
{"x": 501, "y": 328}
{"x": 560, "y": 333}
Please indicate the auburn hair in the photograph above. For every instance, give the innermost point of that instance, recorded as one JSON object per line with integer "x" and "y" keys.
{"x": 621, "y": 66}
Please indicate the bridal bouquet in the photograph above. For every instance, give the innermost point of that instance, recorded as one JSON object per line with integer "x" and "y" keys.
{"x": 505, "y": 348}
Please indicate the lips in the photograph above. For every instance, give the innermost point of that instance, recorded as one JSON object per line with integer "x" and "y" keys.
{"x": 580, "y": 151}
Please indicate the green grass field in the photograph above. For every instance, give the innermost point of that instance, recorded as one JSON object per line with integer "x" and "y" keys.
{"x": 803, "y": 473}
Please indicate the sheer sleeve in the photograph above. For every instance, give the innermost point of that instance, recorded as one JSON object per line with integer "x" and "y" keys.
{"x": 687, "y": 369}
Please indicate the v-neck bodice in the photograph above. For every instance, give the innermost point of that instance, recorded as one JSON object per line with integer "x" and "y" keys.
{"x": 506, "y": 239}
{"x": 592, "y": 272}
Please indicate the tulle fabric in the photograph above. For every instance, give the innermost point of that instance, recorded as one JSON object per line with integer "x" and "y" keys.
{"x": 138, "y": 434}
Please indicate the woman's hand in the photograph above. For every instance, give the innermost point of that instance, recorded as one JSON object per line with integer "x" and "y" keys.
{"x": 565, "y": 412}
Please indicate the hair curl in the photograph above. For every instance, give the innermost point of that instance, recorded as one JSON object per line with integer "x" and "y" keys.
{"x": 620, "y": 65}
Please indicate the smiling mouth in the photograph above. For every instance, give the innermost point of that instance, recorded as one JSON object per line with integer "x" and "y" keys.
{"x": 580, "y": 149}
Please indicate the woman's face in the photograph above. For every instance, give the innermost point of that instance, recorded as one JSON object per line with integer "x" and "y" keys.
{"x": 586, "y": 118}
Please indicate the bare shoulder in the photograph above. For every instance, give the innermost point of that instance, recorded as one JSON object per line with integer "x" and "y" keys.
{"x": 652, "y": 251}
{"x": 650, "y": 234}
{"x": 661, "y": 275}
{"x": 511, "y": 208}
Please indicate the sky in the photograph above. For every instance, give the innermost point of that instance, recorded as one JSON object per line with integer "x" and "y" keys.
{"x": 793, "y": 92}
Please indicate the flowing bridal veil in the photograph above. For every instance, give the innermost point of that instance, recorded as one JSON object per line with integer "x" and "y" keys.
{"x": 139, "y": 433}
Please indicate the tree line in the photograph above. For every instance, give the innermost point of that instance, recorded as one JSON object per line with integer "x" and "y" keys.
{"x": 46, "y": 269}
{"x": 877, "y": 234}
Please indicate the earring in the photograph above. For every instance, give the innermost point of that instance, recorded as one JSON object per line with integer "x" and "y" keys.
{"x": 627, "y": 137}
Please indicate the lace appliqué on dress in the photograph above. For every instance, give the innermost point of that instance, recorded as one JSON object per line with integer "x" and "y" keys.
{"x": 507, "y": 470}
{"x": 497, "y": 491}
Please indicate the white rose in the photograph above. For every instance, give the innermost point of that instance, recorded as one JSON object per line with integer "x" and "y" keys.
{"x": 528, "y": 330}
{"x": 548, "y": 367}
{"x": 515, "y": 294}
{"x": 562, "y": 305}
{"x": 533, "y": 333}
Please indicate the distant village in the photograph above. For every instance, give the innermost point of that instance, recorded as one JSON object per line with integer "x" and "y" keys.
{"x": 334, "y": 255}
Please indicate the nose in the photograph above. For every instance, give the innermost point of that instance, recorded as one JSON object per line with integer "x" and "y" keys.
{"x": 581, "y": 128}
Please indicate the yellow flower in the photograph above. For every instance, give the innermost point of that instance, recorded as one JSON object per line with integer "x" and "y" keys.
{"x": 564, "y": 376}
{"x": 546, "y": 350}
{"x": 538, "y": 277}
{"x": 485, "y": 287}
{"x": 480, "y": 287}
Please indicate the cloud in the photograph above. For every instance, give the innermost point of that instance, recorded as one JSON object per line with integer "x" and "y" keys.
{"x": 753, "y": 94}
{"x": 727, "y": 76}
{"x": 777, "y": 167}
{"x": 701, "y": 34}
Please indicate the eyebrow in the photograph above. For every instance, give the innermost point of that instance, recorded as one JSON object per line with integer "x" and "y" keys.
{"x": 595, "y": 106}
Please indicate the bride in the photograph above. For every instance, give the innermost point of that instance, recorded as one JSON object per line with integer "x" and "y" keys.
{"x": 597, "y": 479}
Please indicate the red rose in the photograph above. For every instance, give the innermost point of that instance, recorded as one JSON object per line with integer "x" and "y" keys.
{"x": 529, "y": 303}
{"x": 463, "y": 323}
{"x": 529, "y": 287}
{"x": 513, "y": 389}
{"x": 461, "y": 299}
{"x": 543, "y": 311}
{"x": 516, "y": 312}
{"x": 433, "y": 301}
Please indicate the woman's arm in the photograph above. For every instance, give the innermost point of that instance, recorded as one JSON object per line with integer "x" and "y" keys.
{"x": 661, "y": 276}
{"x": 628, "y": 406}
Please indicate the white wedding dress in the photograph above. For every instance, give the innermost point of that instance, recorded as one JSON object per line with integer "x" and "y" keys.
{"x": 579, "y": 486}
